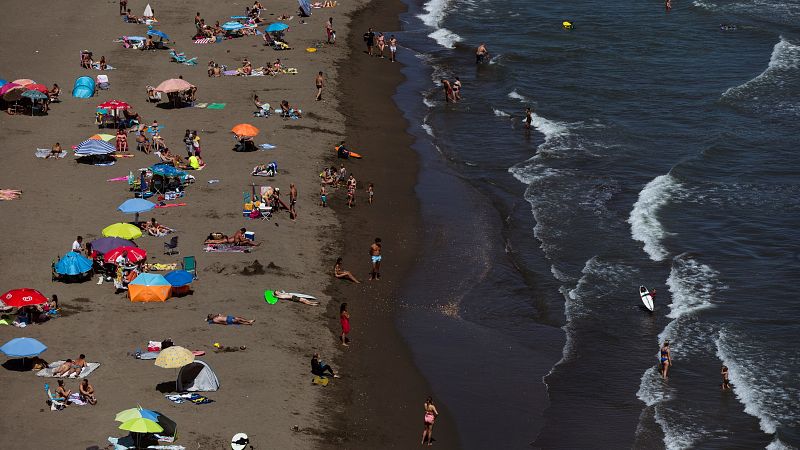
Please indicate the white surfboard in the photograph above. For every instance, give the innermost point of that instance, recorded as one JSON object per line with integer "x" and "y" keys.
{"x": 647, "y": 299}
{"x": 305, "y": 296}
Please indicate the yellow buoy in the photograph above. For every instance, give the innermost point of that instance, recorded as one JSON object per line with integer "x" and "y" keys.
{"x": 567, "y": 25}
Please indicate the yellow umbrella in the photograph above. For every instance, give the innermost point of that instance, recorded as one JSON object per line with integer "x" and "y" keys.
{"x": 123, "y": 231}
{"x": 103, "y": 137}
{"x": 141, "y": 425}
{"x": 174, "y": 357}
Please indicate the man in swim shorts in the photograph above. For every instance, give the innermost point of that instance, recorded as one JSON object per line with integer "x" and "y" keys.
{"x": 392, "y": 49}
{"x": 481, "y": 53}
{"x": 228, "y": 320}
{"x": 375, "y": 255}
{"x": 320, "y": 82}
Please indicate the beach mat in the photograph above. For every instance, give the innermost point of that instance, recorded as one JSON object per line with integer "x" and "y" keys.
{"x": 205, "y": 41}
{"x": 48, "y": 372}
{"x": 197, "y": 399}
{"x": 225, "y": 248}
{"x": 216, "y": 106}
{"x": 200, "y": 105}
{"x": 322, "y": 381}
{"x": 45, "y": 152}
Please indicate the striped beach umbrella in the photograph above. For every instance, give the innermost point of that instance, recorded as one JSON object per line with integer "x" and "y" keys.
{"x": 94, "y": 147}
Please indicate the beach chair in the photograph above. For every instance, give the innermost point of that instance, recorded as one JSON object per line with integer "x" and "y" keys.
{"x": 190, "y": 265}
{"x": 171, "y": 246}
{"x": 152, "y": 95}
{"x": 56, "y": 403}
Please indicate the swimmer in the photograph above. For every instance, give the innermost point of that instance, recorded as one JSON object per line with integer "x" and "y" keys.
{"x": 726, "y": 383}
{"x": 481, "y": 53}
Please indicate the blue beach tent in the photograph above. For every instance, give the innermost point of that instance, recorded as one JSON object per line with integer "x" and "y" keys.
{"x": 73, "y": 264}
{"x": 305, "y": 8}
{"x": 84, "y": 88}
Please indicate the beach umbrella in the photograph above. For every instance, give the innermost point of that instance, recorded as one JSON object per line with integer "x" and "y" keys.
{"x": 122, "y": 230}
{"x": 277, "y": 26}
{"x": 38, "y": 87}
{"x": 24, "y": 82}
{"x": 106, "y": 244}
{"x": 134, "y": 254}
{"x": 23, "y": 297}
{"x": 149, "y": 287}
{"x": 73, "y": 263}
{"x": 148, "y": 11}
{"x": 141, "y": 425}
{"x": 174, "y": 357}
{"x": 34, "y": 95}
{"x": 179, "y": 278}
{"x": 23, "y": 347}
{"x": 12, "y": 92}
{"x": 174, "y": 85}
{"x": 3, "y": 82}
{"x": 114, "y": 104}
{"x": 158, "y": 33}
{"x": 94, "y": 147}
{"x": 232, "y": 26}
{"x": 245, "y": 129}
{"x": 136, "y": 206}
{"x": 136, "y": 413}
{"x": 103, "y": 137}
{"x": 8, "y": 86}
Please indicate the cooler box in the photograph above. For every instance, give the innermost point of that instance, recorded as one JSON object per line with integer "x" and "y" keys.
{"x": 250, "y": 235}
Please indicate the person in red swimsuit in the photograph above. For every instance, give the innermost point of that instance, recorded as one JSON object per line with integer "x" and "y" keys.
{"x": 344, "y": 317}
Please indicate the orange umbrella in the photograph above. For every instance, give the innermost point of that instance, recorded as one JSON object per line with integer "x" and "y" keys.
{"x": 23, "y": 82}
{"x": 245, "y": 129}
{"x": 174, "y": 85}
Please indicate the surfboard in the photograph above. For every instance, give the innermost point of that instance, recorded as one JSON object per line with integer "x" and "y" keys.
{"x": 647, "y": 299}
{"x": 352, "y": 154}
{"x": 305, "y": 296}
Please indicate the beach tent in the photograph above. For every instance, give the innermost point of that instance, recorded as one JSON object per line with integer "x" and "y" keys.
{"x": 84, "y": 87}
{"x": 148, "y": 287}
{"x": 197, "y": 377}
{"x": 305, "y": 8}
{"x": 73, "y": 264}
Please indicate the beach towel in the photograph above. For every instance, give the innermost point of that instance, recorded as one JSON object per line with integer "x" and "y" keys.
{"x": 45, "y": 152}
{"x": 226, "y": 248}
{"x": 127, "y": 442}
{"x": 204, "y": 41}
{"x": 230, "y": 73}
{"x": 48, "y": 372}
{"x": 170, "y": 205}
{"x": 118, "y": 179}
{"x": 322, "y": 381}
{"x": 266, "y": 146}
{"x": 200, "y": 105}
{"x": 148, "y": 355}
{"x": 160, "y": 267}
{"x": 96, "y": 66}
{"x": 197, "y": 399}
{"x": 75, "y": 399}
{"x": 216, "y": 106}
{"x": 123, "y": 155}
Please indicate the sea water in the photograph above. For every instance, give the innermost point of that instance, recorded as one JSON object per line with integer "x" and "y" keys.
{"x": 662, "y": 152}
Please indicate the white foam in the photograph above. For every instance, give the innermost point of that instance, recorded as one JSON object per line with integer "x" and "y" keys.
{"x": 427, "y": 102}
{"x": 692, "y": 285}
{"x": 500, "y": 113}
{"x": 517, "y": 96}
{"x": 549, "y": 128}
{"x": 778, "y": 444}
{"x": 445, "y": 38}
{"x": 428, "y": 129}
{"x": 645, "y": 226}
{"x": 785, "y": 56}
{"x": 434, "y": 12}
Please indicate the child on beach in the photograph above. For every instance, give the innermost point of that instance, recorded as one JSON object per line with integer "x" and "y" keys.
{"x": 371, "y": 192}
{"x": 344, "y": 318}
{"x": 323, "y": 196}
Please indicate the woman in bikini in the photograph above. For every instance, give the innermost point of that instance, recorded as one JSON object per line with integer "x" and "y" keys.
{"x": 429, "y": 419}
{"x": 122, "y": 140}
{"x": 381, "y": 44}
{"x": 666, "y": 360}
{"x": 340, "y": 273}
{"x": 344, "y": 319}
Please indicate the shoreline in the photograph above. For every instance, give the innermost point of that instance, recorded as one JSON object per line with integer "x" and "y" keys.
{"x": 384, "y": 389}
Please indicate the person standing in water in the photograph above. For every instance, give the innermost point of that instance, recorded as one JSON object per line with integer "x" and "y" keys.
{"x": 457, "y": 90}
{"x": 726, "y": 383}
{"x": 430, "y": 417}
{"x": 448, "y": 90}
{"x": 375, "y": 255}
{"x": 668, "y": 5}
{"x": 528, "y": 118}
{"x": 481, "y": 54}
{"x": 666, "y": 360}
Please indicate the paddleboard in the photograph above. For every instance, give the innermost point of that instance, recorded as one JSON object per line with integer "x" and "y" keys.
{"x": 352, "y": 154}
{"x": 647, "y": 299}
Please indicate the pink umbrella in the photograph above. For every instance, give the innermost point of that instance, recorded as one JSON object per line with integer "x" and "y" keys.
{"x": 8, "y": 86}
{"x": 23, "y": 82}
{"x": 174, "y": 85}
{"x": 14, "y": 93}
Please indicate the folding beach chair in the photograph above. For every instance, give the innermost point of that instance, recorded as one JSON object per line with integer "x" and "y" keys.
{"x": 190, "y": 265}
{"x": 171, "y": 246}
{"x": 56, "y": 403}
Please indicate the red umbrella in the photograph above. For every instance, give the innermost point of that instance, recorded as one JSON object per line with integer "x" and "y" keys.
{"x": 135, "y": 254}
{"x": 114, "y": 104}
{"x": 37, "y": 87}
{"x": 23, "y": 297}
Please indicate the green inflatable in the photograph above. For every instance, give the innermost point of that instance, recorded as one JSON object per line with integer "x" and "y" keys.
{"x": 269, "y": 297}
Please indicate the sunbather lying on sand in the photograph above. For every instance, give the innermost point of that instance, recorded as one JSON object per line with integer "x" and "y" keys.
{"x": 237, "y": 239}
{"x": 283, "y": 295}
{"x": 222, "y": 319}
{"x": 154, "y": 228}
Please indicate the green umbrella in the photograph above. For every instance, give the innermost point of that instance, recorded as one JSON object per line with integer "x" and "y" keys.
{"x": 141, "y": 425}
{"x": 136, "y": 413}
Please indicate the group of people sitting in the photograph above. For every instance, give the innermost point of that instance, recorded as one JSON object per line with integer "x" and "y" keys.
{"x": 332, "y": 176}
{"x": 87, "y": 62}
{"x": 154, "y": 228}
{"x": 238, "y": 239}
{"x": 85, "y": 392}
{"x": 35, "y": 314}
{"x": 265, "y": 170}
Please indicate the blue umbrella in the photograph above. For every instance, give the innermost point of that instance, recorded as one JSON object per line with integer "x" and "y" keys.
{"x": 277, "y": 26}
{"x": 23, "y": 347}
{"x": 73, "y": 264}
{"x": 94, "y": 147}
{"x": 178, "y": 278}
{"x": 231, "y": 26}
{"x": 136, "y": 206}
{"x": 106, "y": 244}
{"x": 3, "y": 82}
{"x": 158, "y": 33}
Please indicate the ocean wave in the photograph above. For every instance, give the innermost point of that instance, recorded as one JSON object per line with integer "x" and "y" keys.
{"x": 427, "y": 129}
{"x": 445, "y": 38}
{"x": 434, "y": 12}
{"x": 645, "y": 226}
{"x": 517, "y": 96}
{"x": 500, "y": 113}
{"x": 428, "y": 102}
{"x": 692, "y": 285}
{"x": 776, "y": 11}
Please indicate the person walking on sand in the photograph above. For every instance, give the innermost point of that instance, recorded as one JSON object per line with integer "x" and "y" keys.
{"x": 323, "y": 196}
{"x": 370, "y": 192}
{"x": 726, "y": 383}
{"x": 339, "y": 272}
{"x": 375, "y": 255}
{"x": 123, "y": 6}
{"x": 666, "y": 360}
{"x": 381, "y": 44}
{"x": 292, "y": 201}
{"x": 369, "y": 39}
{"x": 344, "y": 319}
{"x": 329, "y": 31}
{"x": 430, "y": 417}
{"x": 392, "y": 48}
{"x": 320, "y": 82}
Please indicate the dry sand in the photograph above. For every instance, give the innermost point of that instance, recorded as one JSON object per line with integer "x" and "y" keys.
{"x": 266, "y": 389}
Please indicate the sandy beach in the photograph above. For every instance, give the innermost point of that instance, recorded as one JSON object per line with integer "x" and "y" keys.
{"x": 266, "y": 390}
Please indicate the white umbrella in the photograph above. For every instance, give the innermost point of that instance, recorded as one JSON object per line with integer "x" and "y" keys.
{"x": 148, "y": 11}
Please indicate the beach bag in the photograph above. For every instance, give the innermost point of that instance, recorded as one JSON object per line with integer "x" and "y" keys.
{"x": 154, "y": 346}
{"x": 429, "y": 418}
